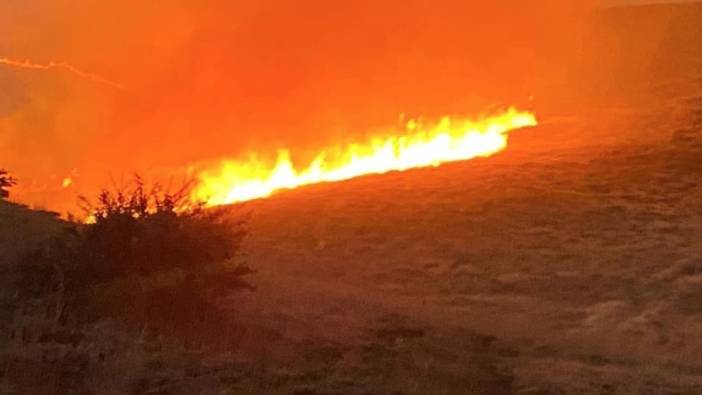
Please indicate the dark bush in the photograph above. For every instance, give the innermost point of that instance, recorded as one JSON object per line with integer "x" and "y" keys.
{"x": 148, "y": 256}
{"x": 6, "y": 182}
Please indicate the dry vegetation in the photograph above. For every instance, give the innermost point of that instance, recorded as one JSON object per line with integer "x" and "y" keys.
{"x": 6, "y": 182}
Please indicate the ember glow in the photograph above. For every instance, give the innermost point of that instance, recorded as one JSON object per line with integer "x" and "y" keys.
{"x": 26, "y": 64}
{"x": 419, "y": 145}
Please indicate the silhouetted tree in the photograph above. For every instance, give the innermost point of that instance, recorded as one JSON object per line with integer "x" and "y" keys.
{"x": 6, "y": 182}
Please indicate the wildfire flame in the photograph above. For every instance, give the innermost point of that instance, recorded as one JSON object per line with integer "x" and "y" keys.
{"x": 27, "y": 64}
{"x": 419, "y": 146}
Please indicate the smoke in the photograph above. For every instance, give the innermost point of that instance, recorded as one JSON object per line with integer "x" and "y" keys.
{"x": 207, "y": 80}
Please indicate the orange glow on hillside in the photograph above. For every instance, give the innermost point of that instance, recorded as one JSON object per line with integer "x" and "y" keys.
{"x": 419, "y": 145}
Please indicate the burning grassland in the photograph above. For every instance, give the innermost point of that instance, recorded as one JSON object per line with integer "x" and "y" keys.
{"x": 418, "y": 145}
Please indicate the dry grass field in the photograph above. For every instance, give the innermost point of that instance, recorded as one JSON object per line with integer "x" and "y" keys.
{"x": 550, "y": 269}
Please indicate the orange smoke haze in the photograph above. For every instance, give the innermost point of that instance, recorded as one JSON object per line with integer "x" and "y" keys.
{"x": 215, "y": 80}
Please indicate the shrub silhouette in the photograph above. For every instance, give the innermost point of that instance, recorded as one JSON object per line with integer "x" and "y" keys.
{"x": 147, "y": 256}
{"x": 6, "y": 182}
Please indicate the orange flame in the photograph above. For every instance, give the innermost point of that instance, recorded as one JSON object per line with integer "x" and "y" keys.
{"x": 446, "y": 141}
{"x": 26, "y": 64}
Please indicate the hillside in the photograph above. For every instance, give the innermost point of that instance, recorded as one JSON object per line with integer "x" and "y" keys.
{"x": 568, "y": 264}
{"x": 569, "y": 269}
{"x": 564, "y": 265}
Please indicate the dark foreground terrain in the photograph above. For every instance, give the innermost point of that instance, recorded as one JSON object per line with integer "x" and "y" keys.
{"x": 570, "y": 264}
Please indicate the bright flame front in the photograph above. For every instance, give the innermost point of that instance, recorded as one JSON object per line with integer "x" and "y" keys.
{"x": 419, "y": 146}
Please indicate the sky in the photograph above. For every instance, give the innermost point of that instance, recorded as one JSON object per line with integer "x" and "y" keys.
{"x": 206, "y": 80}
